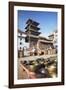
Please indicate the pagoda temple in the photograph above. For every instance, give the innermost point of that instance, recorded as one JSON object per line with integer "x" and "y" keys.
{"x": 32, "y": 30}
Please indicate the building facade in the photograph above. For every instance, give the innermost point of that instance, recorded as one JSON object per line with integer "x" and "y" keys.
{"x": 21, "y": 43}
{"x": 54, "y": 38}
{"x": 38, "y": 44}
{"x": 31, "y": 43}
{"x": 21, "y": 40}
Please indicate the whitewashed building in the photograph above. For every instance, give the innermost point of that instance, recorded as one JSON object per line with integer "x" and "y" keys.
{"x": 22, "y": 45}
{"x": 21, "y": 40}
{"x": 54, "y": 38}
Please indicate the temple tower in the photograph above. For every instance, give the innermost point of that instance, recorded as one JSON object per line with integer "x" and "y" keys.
{"x": 33, "y": 33}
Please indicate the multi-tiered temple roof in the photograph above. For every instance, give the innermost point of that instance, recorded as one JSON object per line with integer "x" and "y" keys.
{"x": 32, "y": 27}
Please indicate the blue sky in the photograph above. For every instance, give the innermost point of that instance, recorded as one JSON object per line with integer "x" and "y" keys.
{"x": 47, "y": 20}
